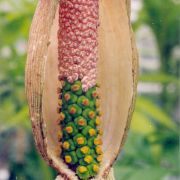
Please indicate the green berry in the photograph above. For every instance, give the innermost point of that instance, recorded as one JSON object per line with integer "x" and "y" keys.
{"x": 80, "y": 122}
{"x": 79, "y": 140}
{"x": 71, "y": 129}
{"x": 69, "y": 98}
{"x": 83, "y": 102}
{"x": 76, "y": 87}
{"x": 83, "y": 151}
{"x": 88, "y": 131}
{"x": 82, "y": 172}
{"x": 86, "y": 160}
{"x": 93, "y": 169}
{"x": 68, "y": 145}
{"x": 89, "y": 113}
{"x": 70, "y": 157}
{"x": 74, "y": 110}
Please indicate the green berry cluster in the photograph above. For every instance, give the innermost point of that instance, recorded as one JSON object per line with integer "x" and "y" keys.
{"x": 79, "y": 119}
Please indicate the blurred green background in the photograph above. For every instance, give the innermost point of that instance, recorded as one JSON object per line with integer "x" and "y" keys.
{"x": 152, "y": 148}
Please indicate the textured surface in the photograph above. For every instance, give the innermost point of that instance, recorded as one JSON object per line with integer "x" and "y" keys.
{"x": 79, "y": 119}
{"x": 78, "y": 55}
{"x": 78, "y": 21}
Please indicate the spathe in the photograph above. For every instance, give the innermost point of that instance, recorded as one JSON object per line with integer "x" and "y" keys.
{"x": 117, "y": 75}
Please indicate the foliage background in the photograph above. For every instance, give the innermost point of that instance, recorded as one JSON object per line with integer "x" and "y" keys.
{"x": 151, "y": 151}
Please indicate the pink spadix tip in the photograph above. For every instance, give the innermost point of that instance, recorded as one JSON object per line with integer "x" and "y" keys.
{"x": 77, "y": 41}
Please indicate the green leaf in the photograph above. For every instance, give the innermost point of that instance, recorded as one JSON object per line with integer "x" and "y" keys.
{"x": 47, "y": 172}
{"x": 135, "y": 173}
{"x": 160, "y": 78}
{"x": 21, "y": 117}
{"x": 152, "y": 173}
{"x": 141, "y": 124}
{"x": 152, "y": 110}
{"x": 15, "y": 119}
{"x": 123, "y": 172}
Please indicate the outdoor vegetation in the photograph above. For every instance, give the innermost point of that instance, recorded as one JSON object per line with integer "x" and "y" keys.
{"x": 151, "y": 151}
